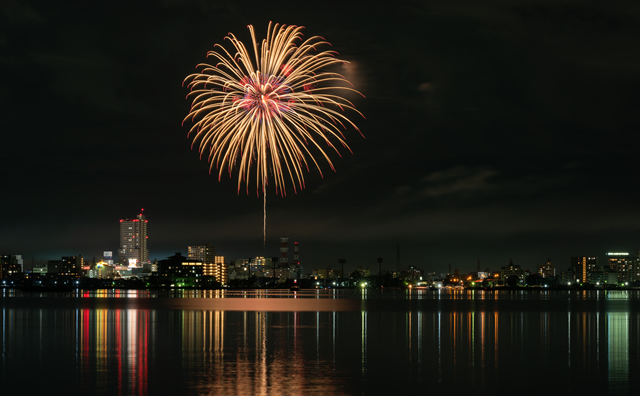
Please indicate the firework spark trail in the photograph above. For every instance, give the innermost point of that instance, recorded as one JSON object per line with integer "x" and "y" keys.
{"x": 273, "y": 110}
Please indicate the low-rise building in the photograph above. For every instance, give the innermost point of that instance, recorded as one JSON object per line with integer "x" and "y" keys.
{"x": 603, "y": 278}
{"x": 512, "y": 270}
{"x": 546, "y": 270}
{"x": 102, "y": 270}
{"x": 567, "y": 278}
{"x": 181, "y": 271}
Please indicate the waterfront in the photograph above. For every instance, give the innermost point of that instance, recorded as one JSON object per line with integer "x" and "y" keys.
{"x": 320, "y": 342}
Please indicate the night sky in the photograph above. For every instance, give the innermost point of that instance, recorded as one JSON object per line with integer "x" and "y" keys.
{"x": 494, "y": 130}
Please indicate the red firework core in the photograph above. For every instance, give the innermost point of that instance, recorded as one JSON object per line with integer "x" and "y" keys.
{"x": 265, "y": 96}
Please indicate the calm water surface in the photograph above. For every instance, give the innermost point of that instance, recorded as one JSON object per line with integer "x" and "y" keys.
{"x": 320, "y": 342}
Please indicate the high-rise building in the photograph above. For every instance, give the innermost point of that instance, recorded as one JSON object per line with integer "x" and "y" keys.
{"x": 582, "y": 266}
{"x": 614, "y": 259}
{"x": 133, "y": 250}
{"x": 219, "y": 270}
{"x": 212, "y": 265}
{"x": 626, "y": 268}
{"x": 205, "y": 253}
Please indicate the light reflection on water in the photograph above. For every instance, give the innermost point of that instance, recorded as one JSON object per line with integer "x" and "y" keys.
{"x": 319, "y": 342}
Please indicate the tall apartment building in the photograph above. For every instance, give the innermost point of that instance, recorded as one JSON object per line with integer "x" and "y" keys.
{"x": 626, "y": 268}
{"x": 219, "y": 270}
{"x": 133, "y": 241}
{"x": 582, "y": 266}
{"x": 205, "y": 253}
{"x": 614, "y": 259}
{"x": 212, "y": 265}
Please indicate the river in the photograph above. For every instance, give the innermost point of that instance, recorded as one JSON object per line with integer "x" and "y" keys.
{"x": 338, "y": 342}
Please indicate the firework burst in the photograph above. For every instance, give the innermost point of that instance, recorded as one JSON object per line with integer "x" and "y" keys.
{"x": 275, "y": 111}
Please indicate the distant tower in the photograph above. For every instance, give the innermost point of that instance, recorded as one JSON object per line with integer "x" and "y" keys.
{"x": 379, "y": 259}
{"x": 284, "y": 252}
{"x": 296, "y": 254}
{"x": 398, "y": 258}
{"x": 342, "y": 262}
{"x": 133, "y": 241}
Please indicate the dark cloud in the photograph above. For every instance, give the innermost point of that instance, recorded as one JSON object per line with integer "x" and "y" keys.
{"x": 457, "y": 180}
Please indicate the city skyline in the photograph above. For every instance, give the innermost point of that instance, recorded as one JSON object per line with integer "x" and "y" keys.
{"x": 493, "y": 131}
{"x": 206, "y": 251}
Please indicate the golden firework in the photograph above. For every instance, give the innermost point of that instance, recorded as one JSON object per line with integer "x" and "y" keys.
{"x": 275, "y": 110}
